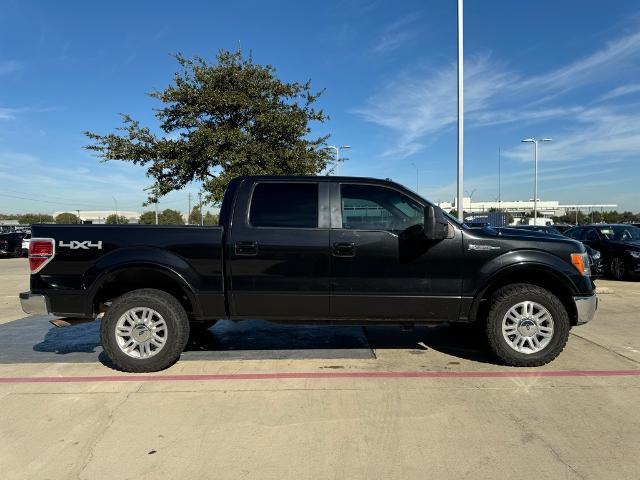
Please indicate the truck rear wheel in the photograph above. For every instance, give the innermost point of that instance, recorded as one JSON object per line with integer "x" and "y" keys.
{"x": 144, "y": 330}
{"x": 527, "y": 326}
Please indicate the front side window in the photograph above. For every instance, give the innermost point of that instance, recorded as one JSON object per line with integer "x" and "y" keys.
{"x": 371, "y": 207}
{"x": 574, "y": 233}
{"x": 284, "y": 205}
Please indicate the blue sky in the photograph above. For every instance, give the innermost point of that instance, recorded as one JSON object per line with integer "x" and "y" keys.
{"x": 568, "y": 70}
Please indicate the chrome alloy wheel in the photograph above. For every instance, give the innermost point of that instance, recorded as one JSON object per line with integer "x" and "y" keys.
{"x": 527, "y": 327}
{"x": 141, "y": 332}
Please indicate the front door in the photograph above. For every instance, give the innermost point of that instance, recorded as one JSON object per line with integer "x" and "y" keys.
{"x": 279, "y": 260}
{"x": 383, "y": 265}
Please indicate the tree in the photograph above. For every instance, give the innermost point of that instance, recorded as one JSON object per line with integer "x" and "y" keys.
{"x": 194, "y": 217}
{"x": 210, "y": 219}
{"x": 147, "y": 218}
{"x": 114, "y": 219}
{"x": 30, "y": 218}
{"x": 66, "y": 218}
{"x": 170, "y": 217}
{"x": 219, "y": 121}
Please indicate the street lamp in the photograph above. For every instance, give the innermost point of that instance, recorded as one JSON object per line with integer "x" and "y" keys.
{"x": 337, "y": 150}
{"x": 460, "y": 176}
{"x": 535, "y": 142}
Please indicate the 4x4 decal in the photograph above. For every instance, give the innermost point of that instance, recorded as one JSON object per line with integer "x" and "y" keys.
{"x": 85, "y": 245}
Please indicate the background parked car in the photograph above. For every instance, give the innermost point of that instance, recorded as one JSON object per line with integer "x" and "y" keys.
{"x": 619, "y": 245}
{"x": 595, "y": 257}
{"x": 563, "y": 227}
{"x": 11, "y": 244}
{"x": 25, "y": 244}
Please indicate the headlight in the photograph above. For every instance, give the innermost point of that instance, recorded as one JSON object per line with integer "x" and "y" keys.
{"x": 581, "y": 262}
{"x": 634, "y": 253}
{"x": 596, "y": 255}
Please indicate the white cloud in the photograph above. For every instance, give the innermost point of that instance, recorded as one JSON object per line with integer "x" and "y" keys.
{"x": 397, "y": 34}
{"x": 7, "y": 113}
{"x": 421, "y": 103}
{"x": 417, "y": 105}
{"x": 603, "y": 132}
{"x": 620, "y": 91}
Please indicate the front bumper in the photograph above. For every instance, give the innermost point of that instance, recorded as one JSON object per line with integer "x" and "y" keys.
{"x": 586, "y": 307}
{"x": 34, "y": 303}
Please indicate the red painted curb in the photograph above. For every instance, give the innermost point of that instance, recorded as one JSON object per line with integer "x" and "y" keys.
{"x": 330, "y": 375}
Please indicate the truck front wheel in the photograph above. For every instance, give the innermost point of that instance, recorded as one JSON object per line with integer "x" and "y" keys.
{"x": 144, "y": 331}
{"x": 527, "y": 326}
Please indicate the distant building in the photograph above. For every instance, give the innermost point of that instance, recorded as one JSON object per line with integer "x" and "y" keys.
{"x": 100, "y": 216}
{"x": 519, "y": 208}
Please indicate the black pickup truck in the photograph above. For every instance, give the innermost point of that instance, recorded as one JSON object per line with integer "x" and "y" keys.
{"x": 335, "y": 250}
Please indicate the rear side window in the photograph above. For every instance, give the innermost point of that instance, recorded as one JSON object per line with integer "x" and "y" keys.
{"x": 285, "y": 205}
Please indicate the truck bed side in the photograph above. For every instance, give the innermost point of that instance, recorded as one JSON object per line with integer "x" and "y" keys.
{"x": 95, "y": 263}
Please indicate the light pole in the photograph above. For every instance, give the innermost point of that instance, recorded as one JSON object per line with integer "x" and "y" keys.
{"x": 535, "y": 142}
{"x": 337, "y": 149}
{"x": 460, "y": 181}
{"x": 499, "y": 187}
{"x": 417, "y": 176}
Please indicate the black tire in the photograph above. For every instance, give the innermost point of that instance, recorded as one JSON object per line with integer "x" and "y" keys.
{"x": 617, "y": 268}
{"x": 507, "y": 297}
{"x": 176, "y": 337}
{"x": 17, "y": 253}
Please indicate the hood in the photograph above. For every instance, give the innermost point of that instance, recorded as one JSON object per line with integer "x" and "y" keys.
{"x": 531, "y": 238}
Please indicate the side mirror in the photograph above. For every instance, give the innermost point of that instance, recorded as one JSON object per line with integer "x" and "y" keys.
{"x": 436, "y": 226}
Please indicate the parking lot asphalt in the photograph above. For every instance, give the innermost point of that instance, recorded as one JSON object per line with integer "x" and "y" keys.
{"x": 254, "y": 400}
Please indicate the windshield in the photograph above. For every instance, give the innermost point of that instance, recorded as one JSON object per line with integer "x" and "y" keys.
{"x": 621, "y": 233}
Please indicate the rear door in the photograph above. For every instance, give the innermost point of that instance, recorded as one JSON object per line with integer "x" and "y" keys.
{"x": 384, "y": 267}
{"x": 278, "y": 250}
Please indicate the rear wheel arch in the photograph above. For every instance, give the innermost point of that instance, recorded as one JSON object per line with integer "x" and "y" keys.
{"x": 528, "y": 274}
{"x": 120, "y": 281}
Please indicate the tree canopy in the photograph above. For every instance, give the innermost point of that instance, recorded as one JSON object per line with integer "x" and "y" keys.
{"x": 170, "y": 217}
{"x": 194, "y": 216}
{"x": 233, "y": 117}
{"x": 147, "y": 218}
{"x": 66, "y": 218}
{"x": 114, "y": 219}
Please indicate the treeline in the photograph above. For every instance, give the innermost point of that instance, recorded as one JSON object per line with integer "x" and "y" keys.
{"x": 612, "y": 216}
{"x": 165, "y": 217}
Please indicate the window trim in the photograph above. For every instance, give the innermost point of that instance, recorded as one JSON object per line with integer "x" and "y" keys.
{"x": 250, "y": 203}
{"x": 368, "y": 184}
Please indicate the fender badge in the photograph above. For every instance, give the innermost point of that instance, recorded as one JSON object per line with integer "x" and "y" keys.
{"x": 483, "y": 248}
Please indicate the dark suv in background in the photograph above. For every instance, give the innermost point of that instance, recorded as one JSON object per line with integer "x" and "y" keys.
{"x": 619, "y": 245}
{"x": 595, "y": 257}
{"x": 11, "y": 244}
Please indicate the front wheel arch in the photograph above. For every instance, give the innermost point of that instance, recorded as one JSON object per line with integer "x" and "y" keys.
{"x": 538, "y": 276}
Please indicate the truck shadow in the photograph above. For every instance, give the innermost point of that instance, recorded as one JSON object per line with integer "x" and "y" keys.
{"x": 33, "y": 340}
{"x": 255, "y": 339}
